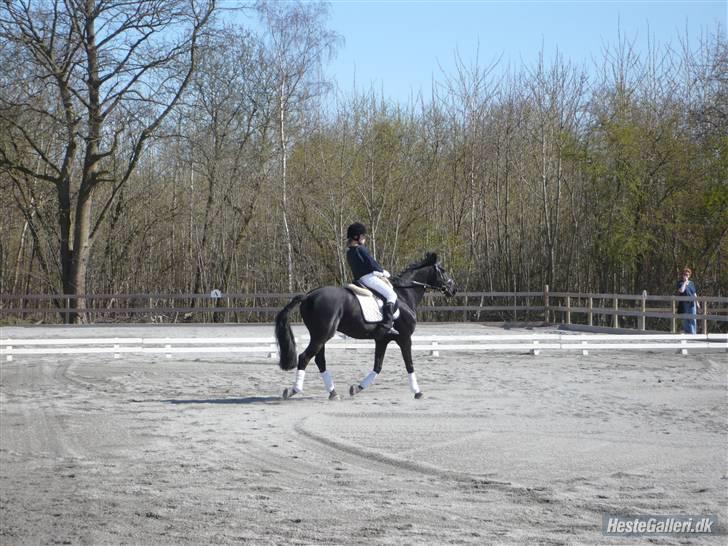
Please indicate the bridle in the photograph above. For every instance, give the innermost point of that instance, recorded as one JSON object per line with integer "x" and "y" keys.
{"x": 427, "y": 286}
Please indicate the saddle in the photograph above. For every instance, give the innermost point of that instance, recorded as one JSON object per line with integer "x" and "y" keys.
{"x": 370, "y": 302}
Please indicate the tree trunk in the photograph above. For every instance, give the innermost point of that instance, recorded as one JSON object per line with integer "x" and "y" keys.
{"x": 82, "y": 223}
{"x": 284, "y": 183}
{"x": 81, "y": 255}
{"x": 19, "y": 257}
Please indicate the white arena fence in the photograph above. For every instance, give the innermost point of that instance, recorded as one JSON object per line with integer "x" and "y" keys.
{"x": 532, "y": 343}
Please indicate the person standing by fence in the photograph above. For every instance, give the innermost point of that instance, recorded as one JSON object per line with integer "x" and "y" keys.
{"x": 686, "y": 287}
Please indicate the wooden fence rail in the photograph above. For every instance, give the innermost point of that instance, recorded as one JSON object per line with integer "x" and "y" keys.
{"x": 640, "y": 312}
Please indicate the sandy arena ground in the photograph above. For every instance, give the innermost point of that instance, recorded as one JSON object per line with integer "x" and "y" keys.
{"x": 504, "y": 448}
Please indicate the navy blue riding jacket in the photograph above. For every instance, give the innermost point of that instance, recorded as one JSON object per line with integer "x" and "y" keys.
{"x": 361, "y": 262}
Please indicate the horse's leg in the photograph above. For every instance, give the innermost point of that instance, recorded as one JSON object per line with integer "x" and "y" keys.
{"x": 319, "y": 336}
{"x": 314, "y": 346}
{"x": 326, "y": 374}
{"x": 380, "y": 348}
{"x": 405, "y": 345}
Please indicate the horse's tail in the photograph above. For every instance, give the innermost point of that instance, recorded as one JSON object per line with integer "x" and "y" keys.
{"x": 284, "y": 336}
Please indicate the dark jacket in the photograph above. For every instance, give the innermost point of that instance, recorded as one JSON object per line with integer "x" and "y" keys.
{"x": 684, "y": 307}
{"x": 361, "y": 262}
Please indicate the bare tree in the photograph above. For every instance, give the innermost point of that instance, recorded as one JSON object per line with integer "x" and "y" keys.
{"x": 101, "y": 72}
{"x": 227, "y": 127}
{"x": 299, "y": 44}
{"x": 556, "y": 94}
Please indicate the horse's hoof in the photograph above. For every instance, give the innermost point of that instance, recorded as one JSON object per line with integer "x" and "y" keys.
{"x": 355, "y": 389}
{"x": 333, "y": 395}
{"x": 288, "y": 392}
{"x": 419, "y": 395}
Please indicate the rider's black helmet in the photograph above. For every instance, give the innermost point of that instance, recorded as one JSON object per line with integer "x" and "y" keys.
{"x": 355, "y": 230}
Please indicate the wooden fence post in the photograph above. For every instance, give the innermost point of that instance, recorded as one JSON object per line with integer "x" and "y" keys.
{"x": 546, "y": 304}
{"x": 568, "y": 309}
{"x": 615, "y": 316}
{"x": 673, "y": 327}
{"x": 643, "y": 308}
{"x": 589, "y": 313}
{"x": 704, "y": 311}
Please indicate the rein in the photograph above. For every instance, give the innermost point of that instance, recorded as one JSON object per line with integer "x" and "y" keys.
{"x": 416, "y": 284}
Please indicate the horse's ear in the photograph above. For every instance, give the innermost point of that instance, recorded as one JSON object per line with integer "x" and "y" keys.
{"x": 431, "y": 258}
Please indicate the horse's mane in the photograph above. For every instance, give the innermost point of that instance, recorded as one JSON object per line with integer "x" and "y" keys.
{"x": 430, "y": 259}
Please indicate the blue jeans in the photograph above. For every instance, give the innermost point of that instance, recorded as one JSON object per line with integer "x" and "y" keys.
{"x": 690, "y": 326}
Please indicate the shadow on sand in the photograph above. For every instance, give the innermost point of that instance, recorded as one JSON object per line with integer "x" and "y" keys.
{"x": 247, "y": 400}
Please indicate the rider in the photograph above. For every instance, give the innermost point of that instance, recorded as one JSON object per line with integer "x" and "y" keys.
{"x": 368, "y": 272}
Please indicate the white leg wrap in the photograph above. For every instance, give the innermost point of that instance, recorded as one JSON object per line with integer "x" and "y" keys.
{"x": 368, "y": 380}
{"x": 328, "y": 380}
{"x": 298, "y": 384}
{"x": 413, "y": 383}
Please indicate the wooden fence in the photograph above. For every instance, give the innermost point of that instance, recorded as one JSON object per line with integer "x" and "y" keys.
{"x": 640, "y": 312}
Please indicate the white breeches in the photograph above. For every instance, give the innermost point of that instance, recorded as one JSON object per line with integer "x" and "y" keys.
{"x": 380, "y": 286}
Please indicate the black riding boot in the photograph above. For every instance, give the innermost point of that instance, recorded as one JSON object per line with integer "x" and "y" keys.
{"x": 387, "y": 327}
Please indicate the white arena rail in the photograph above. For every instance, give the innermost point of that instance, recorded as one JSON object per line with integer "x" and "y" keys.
{"x": 532, "y": 343}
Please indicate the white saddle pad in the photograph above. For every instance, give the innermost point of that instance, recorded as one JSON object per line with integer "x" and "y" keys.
{"x": 371, "y": 307}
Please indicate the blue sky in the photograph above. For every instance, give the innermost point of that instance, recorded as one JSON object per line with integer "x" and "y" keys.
{"x": 396, "y": 47}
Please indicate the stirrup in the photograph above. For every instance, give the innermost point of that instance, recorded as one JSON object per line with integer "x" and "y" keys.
{"x": 382, "y": 331}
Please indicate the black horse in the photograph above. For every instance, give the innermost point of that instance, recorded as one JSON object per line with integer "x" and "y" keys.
{"x": 330, "y": 308}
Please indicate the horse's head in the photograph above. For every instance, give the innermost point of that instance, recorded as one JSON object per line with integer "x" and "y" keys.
{"x": 431, "y": 274}
{"x": 443, "y": 281}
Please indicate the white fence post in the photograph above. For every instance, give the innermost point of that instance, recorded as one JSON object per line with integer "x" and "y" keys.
{"x": 685, "y": 350}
